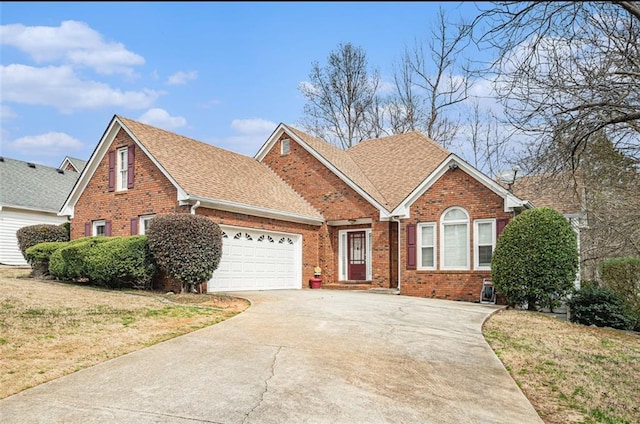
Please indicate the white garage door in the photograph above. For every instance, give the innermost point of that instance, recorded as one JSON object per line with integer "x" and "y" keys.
{"x": 257, "y": 260}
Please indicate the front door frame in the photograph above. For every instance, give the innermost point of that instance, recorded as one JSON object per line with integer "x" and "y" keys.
{"x": 343, "y": 253}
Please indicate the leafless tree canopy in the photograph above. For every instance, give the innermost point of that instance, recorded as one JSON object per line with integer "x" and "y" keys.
{"x": 566, "y": 72}
{"x": 340, "y": 97}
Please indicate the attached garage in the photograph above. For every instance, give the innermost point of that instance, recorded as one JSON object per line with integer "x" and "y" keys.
{"x": 257, "y": 260}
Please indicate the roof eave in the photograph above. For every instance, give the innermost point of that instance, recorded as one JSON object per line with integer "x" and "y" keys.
{"x": 235, "y": 207}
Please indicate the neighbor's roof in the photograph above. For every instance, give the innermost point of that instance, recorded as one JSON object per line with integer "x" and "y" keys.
{"x": 34, "y": 186}
{"x": 387, "y": 168}
{"x": 558, "y": 191}
{"x": 78, "y": 164}
{"x": 210, "y": 172}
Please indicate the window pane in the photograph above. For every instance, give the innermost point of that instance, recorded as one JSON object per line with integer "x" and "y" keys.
{"x": 427, "y": 235}
{"x": 427, "y": 257}
{"x": 484, "y": 256}
{"x": 455, "y": 245}
{"x": 485, "y": 233}
{"x": 455, "y": 215}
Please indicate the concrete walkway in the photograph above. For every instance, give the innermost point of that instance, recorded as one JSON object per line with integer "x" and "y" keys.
{"x": 305, "y": 356}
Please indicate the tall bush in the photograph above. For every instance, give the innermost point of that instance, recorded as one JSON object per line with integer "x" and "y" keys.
{"x": 536, "y": 259}
{"x": 33, "y": 234}
{"x": 622, "y": 276}
{"x": 185, "y": 247}
{"x": 120, "y": 262}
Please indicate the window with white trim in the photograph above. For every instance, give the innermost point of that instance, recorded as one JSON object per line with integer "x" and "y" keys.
{"x": 454, "y": 239}
{"x": 285, "y": 146}
{"x": 99, "y": 228}
{"x": 122, "y": 168}
{"x": 484, "y": 241}
{"x": 144, "y": 223}
{"x": 427, "y": 245}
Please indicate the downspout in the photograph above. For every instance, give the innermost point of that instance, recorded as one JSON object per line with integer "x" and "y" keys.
{"x": 194, "y": 207}
{"x": 397, "y": 219}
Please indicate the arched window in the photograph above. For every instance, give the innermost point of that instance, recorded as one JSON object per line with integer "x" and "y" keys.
{"x": 454, "y": 239}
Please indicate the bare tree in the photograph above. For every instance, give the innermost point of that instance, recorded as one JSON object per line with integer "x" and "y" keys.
{"x": 567, "y": 71}
{"x": 430, "y": 82}
{"x": 340, "y": 97}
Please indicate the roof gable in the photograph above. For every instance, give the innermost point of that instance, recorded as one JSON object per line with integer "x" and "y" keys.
{"x": 74, "y": 164}
{"x": 201, "y": 172}
{"x": 33, "y": 186}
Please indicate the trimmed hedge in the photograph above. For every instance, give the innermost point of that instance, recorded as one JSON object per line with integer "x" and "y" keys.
{"x": 38, "y": 256}
{"x": 33, "y": 234}
{"x": 600, "y": 306}
{"x": 622, "y": 276}
{"x": 68, "y": 262}
{"x": 536, "y": 259}
{"x": 186, "y": 247}
{"x": 120, "y": 262}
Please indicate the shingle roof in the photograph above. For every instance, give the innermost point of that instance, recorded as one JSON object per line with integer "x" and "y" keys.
{"x": 397, "y": 164}
{"x": 210, "y": 172}
{"x": 79, "y": 164}
{"x": 556, "y": 191}
{"x": 36, "y": 187}
{"x": 387, "y": 168}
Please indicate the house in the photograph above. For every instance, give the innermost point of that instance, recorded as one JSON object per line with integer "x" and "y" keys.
{"x": 30, "y": 194}
{"x": 394, "y": 212}
{"x": 72, "y": 164}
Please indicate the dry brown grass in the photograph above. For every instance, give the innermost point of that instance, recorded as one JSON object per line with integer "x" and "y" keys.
{"x": 571, "y": 373}
{"x": 49, "y": 329}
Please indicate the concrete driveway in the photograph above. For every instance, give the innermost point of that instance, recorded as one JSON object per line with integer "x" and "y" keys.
{"x": 305, "y": 356}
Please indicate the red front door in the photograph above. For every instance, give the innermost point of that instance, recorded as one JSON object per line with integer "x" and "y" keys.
{"x": 357, "y": 256}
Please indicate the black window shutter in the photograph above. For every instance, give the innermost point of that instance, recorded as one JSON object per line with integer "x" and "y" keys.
{"x": 411, "y": 246}
{"x": 112, "y": 171}
{"x": 87, "y": 229}
{"x": 131, "y": 157}
{"x": 134, "y": 226}
{"x": 107, "y": 228}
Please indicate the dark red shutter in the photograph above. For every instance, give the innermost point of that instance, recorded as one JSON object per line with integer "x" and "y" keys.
{"x": 107, "y": 228}
{"x": 112, "y": 171}
{"x": 134, "y": 226}
{"x": 131, "y": 157}
{"x": 500, "y": 224}
{"x": 87, "y": 229}
{"x": 411, "y": 246}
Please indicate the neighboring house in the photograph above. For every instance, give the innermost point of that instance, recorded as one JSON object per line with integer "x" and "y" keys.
{"x": 30, "y": 194}
{"x": 72, "y": 164}
{"x": 395, "y": 212}
{"x": 563, "y": 192}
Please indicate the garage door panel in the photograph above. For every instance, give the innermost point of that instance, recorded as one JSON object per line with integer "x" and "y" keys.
{"x": 257, "y": 260}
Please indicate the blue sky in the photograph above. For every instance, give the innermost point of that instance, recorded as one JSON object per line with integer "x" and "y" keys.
{"x": 225, "y": 73}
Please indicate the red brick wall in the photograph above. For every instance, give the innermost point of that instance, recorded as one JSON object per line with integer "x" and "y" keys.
{"x": 335, "y": 200}
{"x": 454, "y": 188}
{"x": 152, "y": 193}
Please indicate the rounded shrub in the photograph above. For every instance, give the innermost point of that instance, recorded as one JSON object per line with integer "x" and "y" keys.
{"x": 121, "y": 262}
{"x": 38, "y": 256}
{"x": 185, "y": 247}
{"x": 33, "y": 234}
{"x": 536, "y": 259}
{"x": 68, "y": 262}
{"x": 599, "y": 306}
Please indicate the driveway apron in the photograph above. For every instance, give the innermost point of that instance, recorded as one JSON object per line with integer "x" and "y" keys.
{"x": 299, "y": 356}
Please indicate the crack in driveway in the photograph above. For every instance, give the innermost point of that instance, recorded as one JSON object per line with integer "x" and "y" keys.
{"x": 266, "y": 385}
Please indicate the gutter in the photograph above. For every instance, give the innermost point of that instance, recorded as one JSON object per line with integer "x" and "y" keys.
{"x": 194, "y": 207}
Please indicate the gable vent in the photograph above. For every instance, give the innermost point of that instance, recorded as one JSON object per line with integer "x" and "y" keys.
{"x": 31, "y": 165}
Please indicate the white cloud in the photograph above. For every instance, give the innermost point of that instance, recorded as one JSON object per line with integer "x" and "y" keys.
{"x": 72, "y": 42}
{"x": 49, "y": 144}
{"x": 180, "y": 77}
{"x": 60, "y": 87}
{"x": 160, "y": 118}
{"x": 255, "y": 126}
{"x": 6, "y": 113}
